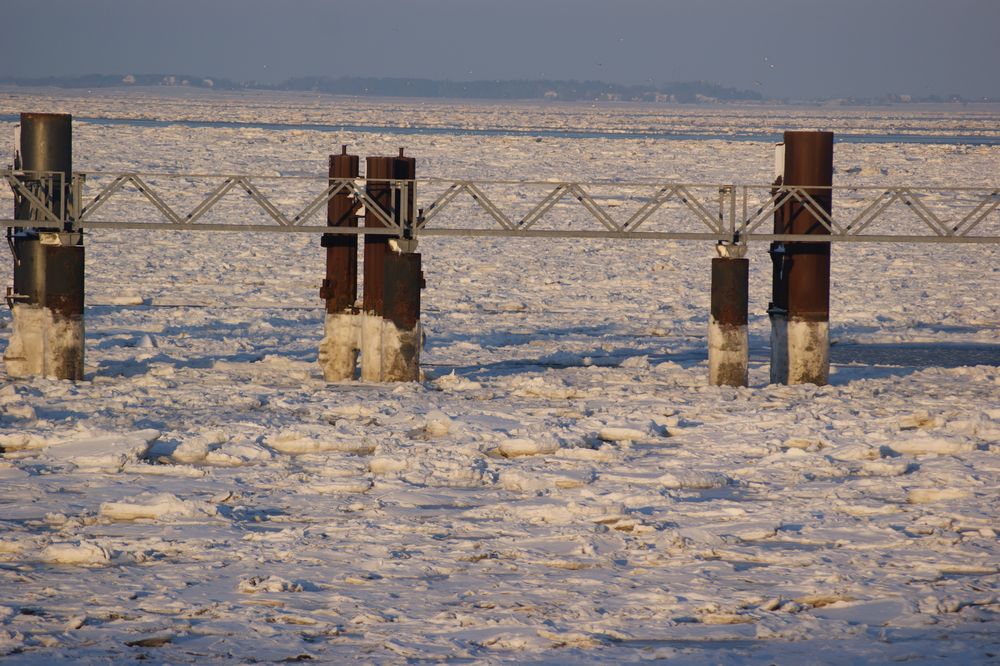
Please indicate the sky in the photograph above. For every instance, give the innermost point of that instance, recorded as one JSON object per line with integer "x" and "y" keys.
{"x": 780, "y": 48}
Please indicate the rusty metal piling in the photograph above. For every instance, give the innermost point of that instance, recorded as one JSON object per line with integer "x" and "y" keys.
{"x": 378, "y": 172}
{"x": 728, "y": 340}
{"x": 47, "y": 297}
{"x": 402, "y": 282}
{"x": 339, "y": 347}
{"x": 390, "y": 330}
{"x": 800, "y": 307}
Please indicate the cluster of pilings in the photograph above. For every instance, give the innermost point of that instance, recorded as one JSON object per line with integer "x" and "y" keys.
{"x": 48, "y": 292}
{"x": 386, "y": 330}
{"x": 800, "y": 296}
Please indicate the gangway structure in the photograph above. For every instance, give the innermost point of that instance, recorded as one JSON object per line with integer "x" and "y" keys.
{"x": 719, "y": 212}
{"x": 800, "y": 214}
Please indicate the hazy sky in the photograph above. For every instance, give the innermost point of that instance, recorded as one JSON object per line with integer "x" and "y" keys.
{"x": 786, "y": 48}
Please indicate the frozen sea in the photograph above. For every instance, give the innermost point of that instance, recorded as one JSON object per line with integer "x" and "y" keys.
{"x": 563, "y": 486}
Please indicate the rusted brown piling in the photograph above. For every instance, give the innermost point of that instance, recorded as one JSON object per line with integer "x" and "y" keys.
{"x": 339, "y": 347}
{"x": 390, "y": 334}
{"x": 800, "y": 308}
{"x": 728, "y": 341}
{"x": 378, "y": 172}
{"x": 47, "y": 297}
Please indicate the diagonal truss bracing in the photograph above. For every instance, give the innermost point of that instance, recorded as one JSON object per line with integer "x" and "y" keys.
{"x": 659, "y": 210}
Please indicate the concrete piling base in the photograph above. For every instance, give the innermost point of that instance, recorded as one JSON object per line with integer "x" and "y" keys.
{"x": 400, "y": 353}
{"x": 800, "y": 351}
{"x": 338, "y": 350}
{"x": 389, "y": 353}
{"x": 728, "y": 354}
{"x": 808, "y": 352}
{"x": 44, "y": 343}
{"x": 371, "y": 347}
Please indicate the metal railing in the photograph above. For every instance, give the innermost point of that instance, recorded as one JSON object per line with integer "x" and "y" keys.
{"x": 459, "y": 207}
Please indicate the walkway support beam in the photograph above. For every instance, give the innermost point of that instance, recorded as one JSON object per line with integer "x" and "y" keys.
{"x": 47, "y": 297}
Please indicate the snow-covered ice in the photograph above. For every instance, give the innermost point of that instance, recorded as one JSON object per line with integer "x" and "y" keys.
{"x": 563, "y": 486}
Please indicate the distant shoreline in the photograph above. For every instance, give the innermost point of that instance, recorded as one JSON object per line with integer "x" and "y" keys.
{"x": 175, "y": 92}
{"x": 573, "y": 91}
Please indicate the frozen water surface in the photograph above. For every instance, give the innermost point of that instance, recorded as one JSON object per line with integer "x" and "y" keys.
{"x": 563, "y": 486}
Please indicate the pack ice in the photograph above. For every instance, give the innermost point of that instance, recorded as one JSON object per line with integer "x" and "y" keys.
{"x": 564, "y": 487}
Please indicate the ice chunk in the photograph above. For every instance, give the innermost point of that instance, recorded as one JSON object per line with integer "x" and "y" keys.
{"x": 694, "y": 480}
{"x": 256, "y": 584}
{"x": 163, "y": 506}
{"x": 919, "y": 445}
{"x": 105, "y": 452}
{"x": 340, "y": 487}
{"x": 855, "y": 451}
{"x": 237, "y": 454}
{"x": 196, "y": 449}
{"x": 75, "y": 552}
{"x": 512, "y": 448}
{"x": 21, "y": 442}
{"x": 928, "y": 495}
{"x": 452, "y": 382}
{"x": 437, "y": 426}
{"x": 126, "y": 298}
{"x": 612, "y": 434}
{"x": 885, "y": 467}
{"x": 380, "y": 465}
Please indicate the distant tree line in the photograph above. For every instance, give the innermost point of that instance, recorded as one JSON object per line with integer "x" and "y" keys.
{"x": 690, "y": 92}
{"x": 118, "y": 80}
{"x": 696, "y": 91}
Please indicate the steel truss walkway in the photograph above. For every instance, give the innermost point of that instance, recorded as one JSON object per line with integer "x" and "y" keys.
{"x": 559, "y": 209}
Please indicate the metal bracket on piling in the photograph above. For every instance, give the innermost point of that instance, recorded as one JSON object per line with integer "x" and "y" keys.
{"x": 12, "y": 298}
{"x": 731, "y": 250}
{"x": 60, "y": 238}
{"x": 407, "y": 244}
{"x": 779, "y": 258}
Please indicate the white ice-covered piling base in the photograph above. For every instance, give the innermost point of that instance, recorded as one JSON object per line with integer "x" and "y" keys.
{"x": 338, "y": 350}
{"x": 400, "y": 353}
{"x": 389, "y": 354}
{"x": 728, "y": 354}
{"x": 800, "y": 351}
{"x": 44, "y": 344}
{"x": 371, "y": 348}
